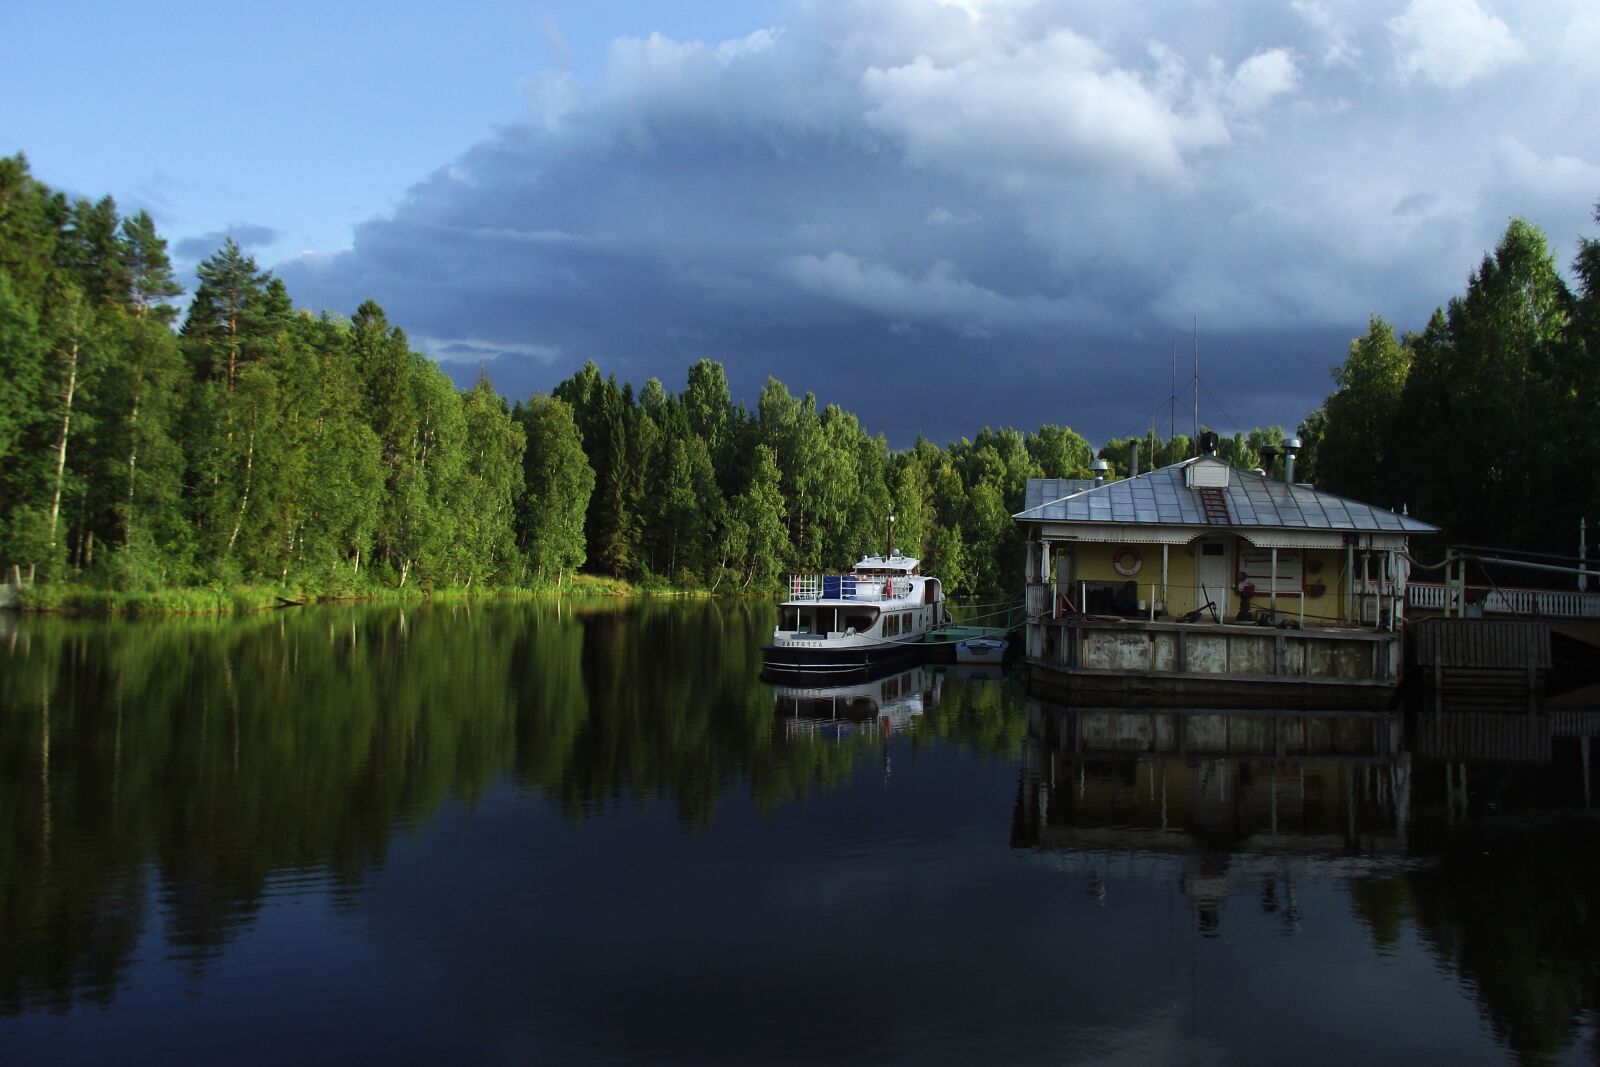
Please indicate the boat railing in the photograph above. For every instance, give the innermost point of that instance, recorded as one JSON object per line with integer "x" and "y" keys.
{"x": 847, "y": 587}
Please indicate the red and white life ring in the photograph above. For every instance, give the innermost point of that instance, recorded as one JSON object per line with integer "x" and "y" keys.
{"x": 1127, "y": 562}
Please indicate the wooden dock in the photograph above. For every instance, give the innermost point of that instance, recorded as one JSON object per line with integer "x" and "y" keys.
{"x": 1480, "y": 664}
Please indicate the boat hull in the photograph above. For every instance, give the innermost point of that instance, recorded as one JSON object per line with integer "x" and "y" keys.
{"x": 982, "y": 650}
{"x": 829, "y": 664}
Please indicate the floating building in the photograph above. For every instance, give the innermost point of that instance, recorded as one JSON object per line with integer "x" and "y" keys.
{"x": 1203, "y": 585}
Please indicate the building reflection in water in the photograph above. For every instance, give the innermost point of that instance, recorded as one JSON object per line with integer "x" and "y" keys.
{"x": 1470, "y": 836}
{"x": 1237, "y": 799}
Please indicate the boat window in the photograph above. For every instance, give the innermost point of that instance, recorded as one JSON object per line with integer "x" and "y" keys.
{"x": 860, "y": 621}
{"x": 789, "y": 619}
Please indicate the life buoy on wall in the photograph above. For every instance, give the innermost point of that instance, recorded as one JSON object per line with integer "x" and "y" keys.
{"x": 1127, "y": 562}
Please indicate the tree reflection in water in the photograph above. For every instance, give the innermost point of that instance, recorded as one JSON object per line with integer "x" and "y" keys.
{"x": 161, "y": 780}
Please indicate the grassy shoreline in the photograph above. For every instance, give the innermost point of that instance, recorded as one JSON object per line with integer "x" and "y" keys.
{"x": 89, "y": 600}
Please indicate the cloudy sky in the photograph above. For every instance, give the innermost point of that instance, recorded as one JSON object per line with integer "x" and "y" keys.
{"x": 941, "y": 214}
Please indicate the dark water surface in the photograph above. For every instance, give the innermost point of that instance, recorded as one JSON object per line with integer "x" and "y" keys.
{"x": 515, "y": 833}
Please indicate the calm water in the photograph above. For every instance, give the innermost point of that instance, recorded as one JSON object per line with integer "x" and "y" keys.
{"x": 519, "y": 832}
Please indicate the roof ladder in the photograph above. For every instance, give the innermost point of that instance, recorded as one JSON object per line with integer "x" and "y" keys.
{"x": 1215, "y": 506}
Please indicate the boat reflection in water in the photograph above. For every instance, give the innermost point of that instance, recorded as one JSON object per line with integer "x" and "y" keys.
{"x": 882, "y": 707}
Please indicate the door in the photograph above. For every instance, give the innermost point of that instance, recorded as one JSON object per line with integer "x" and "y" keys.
{"x": 1213, "y": 574}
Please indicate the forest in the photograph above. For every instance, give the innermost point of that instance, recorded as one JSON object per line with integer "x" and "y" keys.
{"x": 240, "y": 441}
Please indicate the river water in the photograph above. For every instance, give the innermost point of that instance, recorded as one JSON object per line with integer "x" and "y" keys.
{"x": 515, "y": 832}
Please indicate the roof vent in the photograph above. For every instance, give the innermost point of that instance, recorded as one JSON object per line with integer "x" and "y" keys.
{"x": 1100, "y": 468}
{"x": 1203, "y": 475}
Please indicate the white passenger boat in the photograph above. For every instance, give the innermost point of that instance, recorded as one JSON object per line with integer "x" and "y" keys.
{"x": 842, "y": 626}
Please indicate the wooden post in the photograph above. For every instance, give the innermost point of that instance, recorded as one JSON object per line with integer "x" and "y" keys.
{"x": 1349, "y": 579}
{"x": 1166, "y": 593}
{"x": 1272, "y": 592}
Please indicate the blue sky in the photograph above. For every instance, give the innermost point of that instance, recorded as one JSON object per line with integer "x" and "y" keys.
{"x": 942, "y": 214}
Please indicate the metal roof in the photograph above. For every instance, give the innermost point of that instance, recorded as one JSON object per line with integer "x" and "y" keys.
{"x": 1044, "y": 490}
{"x": 1161, "y": 498}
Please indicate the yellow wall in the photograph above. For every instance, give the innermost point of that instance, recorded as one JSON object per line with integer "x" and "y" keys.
{"x": 1093, "y": 562}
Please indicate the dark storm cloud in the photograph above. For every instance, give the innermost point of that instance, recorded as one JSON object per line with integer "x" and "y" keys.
{"x": 946, "y": 215}
{"x": 245, "y": 235}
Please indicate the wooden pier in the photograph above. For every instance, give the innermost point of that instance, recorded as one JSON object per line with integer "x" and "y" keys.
{"x": 1480, "y": 664}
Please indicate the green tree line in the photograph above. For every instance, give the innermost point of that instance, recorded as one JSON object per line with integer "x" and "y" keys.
{"x": 251, "y": 442}
{"x": 1486, "y": 421}
{"x": 248, "y": 442}
{"x": 245, "y": 441}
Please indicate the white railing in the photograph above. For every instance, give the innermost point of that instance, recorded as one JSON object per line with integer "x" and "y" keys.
{"x": 848, "y": 586}
{"x": 1547, "y": 603}
{"x": 1425, "y": 595}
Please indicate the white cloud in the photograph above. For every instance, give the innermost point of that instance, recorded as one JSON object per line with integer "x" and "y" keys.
{"x": 1332, "y": 36}
{"x": 1452, "y": 42}
{"x": 1263, "y": 77}
{"x": 1554, "y": 176}
{"x": 1056, "y": 102}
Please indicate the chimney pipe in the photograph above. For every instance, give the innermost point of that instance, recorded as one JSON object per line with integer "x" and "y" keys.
{"x": 1290, "y": 447}
{"x": 1099, "y": 467}
{"x": 1133, "y": 460}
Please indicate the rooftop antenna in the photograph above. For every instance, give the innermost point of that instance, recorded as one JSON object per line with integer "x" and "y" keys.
{"x": 1172, "y": 401}
{"x": 1196, "y": 383}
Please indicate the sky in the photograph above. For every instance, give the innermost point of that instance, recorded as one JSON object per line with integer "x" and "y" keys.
{"x": 939, "y": 214}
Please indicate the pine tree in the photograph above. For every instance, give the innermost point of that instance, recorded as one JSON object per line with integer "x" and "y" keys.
{"x": 148, "y": 269}
{"x": 229, "y": 315}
